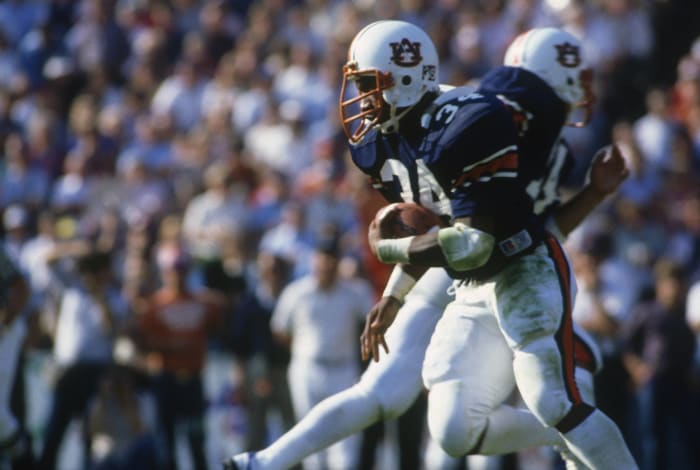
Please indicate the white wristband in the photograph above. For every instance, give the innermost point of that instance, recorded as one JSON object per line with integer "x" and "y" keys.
{"x": 393, "y": 250}
{"x": 399, "y": 284}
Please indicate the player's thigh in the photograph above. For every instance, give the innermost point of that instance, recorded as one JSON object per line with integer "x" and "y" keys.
{"x": 395, "y": 380}
{"x": 467, "y": 346}
{"x": 434, "y": 287}
{"x": 527, "y": 299}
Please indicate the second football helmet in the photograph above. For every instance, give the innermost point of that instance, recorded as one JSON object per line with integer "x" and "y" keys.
{"x": 556, "y": 57}
{"x": 393, "y": 62}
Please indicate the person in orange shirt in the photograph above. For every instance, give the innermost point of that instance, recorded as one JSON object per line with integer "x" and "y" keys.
{"x": 174, "y": 325}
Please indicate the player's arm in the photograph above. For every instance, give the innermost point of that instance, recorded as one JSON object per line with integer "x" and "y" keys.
{"x": 402, "y": 279}
{"x": 463, "y": 246}
{"x": 608, "y": 171}
{"x": 476, "y": 165}
{"x": 384, "y": 312}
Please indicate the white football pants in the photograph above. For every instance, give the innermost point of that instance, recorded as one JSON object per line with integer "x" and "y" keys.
{"x": 470, "y": 370}
{"x": 389, "y": 387}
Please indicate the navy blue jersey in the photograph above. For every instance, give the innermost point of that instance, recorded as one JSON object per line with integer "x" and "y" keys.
{"x": 465, "y": 164}
{"x": 395, "y": 171}
{"x": 494, "y": 152}
{"x": 545, "y": 158}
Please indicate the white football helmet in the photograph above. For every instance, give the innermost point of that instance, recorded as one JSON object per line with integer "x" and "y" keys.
{"x": 556, "y": 57}
{"x": 394, "y": 62}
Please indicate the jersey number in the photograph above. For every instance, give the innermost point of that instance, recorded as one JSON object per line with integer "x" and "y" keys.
{"x": 430, "y": 194}
{"x": 544, "y": 191}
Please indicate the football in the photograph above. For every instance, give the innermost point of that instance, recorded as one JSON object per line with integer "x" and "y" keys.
{"x": 404, "y": 219}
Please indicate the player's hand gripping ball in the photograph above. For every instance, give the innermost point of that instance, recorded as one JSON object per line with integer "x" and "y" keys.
{"x": 405, "y": 219}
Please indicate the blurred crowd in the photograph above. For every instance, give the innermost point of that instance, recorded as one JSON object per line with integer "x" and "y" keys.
{"x": 178, "y": 162}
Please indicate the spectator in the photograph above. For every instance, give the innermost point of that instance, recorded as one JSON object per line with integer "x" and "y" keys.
{"x": 17, "y": 17}
{"x": 644, "y": 182}
{"x": 180, "y": 95}
{"x": 290, "y": 238}
{"x": 173, "y": 326}
{"x": 95, "y": 38}
{"x": 20, "y": 182}
{"x": 150, "y": 146}
{"x": 71, "y": 192}
{"x": 33, "y": 260}
{"x": 265, "y": 359}
{"x": 45, "y": 144}
{"x": 218, "y": 27}
{"x": 319, "y": 316}
{"x": 142, "y": 196}
{"x": 9, "y": 62}
{"x": 602, "y": 305}
{"x": 654, "y": 131}
{"x": 15, "y": 443}
{"x": 16, "y": 223}
{"x": 121, "y": 425}
{"x": 684, "y": 242}
{"x": 217, "y": 210}
{"x": 90, "y": 316}
{"x": 658, "y": 354}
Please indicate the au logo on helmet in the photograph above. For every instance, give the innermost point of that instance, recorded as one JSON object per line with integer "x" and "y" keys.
{"x": 568, "y": 55}
{"x": 405, "y": 53}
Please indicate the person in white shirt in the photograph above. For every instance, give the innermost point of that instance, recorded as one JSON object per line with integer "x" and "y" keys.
{"x": 219, "y": 209}
{"x": 319, "y": 315}
{"x": 89, "y": 318}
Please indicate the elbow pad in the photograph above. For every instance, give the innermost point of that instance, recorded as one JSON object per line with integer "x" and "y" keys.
{"x": 464, "y": 247}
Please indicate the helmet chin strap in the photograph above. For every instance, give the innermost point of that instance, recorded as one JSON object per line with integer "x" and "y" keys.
{"x": 392, "y": 124}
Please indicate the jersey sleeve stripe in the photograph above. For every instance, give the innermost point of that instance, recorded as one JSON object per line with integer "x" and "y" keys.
{"x": 492, "y": 157}
{"x": 504, "y": 165}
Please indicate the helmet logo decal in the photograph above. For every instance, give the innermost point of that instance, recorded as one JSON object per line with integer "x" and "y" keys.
{"x": 405, "y": 53}
{"x": 568, "y": 55}
{"x": 429, "y": 73}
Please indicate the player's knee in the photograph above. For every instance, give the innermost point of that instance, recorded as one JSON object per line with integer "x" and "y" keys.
{"x": 549, "y": 407}
{"x": 584, "y": 382}
{"x": 547, "y": 392}
{"x": 458, "y": 436}
{"x": 576, "y": 415}
{"x": 555, "y": 409}
{"x": 392, "y": 403}
{"x": 458, "y": 433}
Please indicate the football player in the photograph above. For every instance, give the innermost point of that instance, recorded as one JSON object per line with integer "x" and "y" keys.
{"x": 384, "y": 139}
{"x": 506, "y": 264}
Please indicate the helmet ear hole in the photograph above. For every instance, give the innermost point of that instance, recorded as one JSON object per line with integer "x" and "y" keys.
{"x": 569, "y": 81}
{"x": 406, "y": 80}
